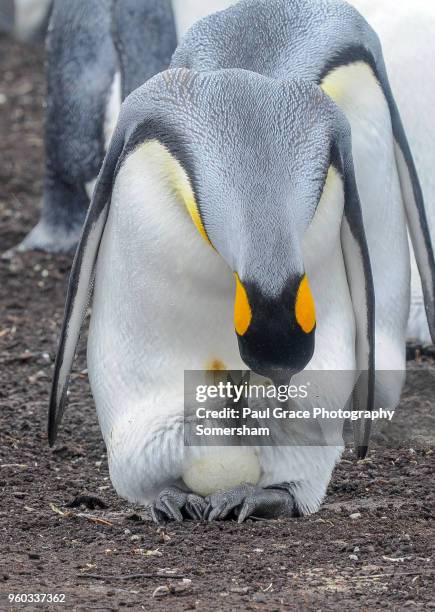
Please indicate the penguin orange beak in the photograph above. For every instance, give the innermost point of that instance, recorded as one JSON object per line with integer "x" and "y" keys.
{"x": 275, "y": 334}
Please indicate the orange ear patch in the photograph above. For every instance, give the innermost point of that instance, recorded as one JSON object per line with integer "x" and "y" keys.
{"x": 242, "y": 309}
{"x": 305, "y": 310}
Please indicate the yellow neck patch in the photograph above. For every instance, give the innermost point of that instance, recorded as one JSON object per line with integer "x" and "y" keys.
{"x": 182, "y": 186}
{"x": 340, "y": 81}
{"x": 242, "y": 308}
{"x": 305, "y": 310}
{"x": 179, "y": 183}
{"x": 193, "y": 209}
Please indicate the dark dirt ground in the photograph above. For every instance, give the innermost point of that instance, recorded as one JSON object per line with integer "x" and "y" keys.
{"x": 379, "y": 558}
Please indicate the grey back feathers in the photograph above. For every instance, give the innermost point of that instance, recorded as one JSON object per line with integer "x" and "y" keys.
{"x": 296, "y": 38}
{"x": 212, "y": 122}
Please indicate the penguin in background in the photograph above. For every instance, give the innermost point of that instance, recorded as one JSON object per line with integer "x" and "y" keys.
{"x": 406, "y": 33}
{"x": 26, "y": 20}
{"x": 236, "y": 220}
{"x": 97, "y": 53}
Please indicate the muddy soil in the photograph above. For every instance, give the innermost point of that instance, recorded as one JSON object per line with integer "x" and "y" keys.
{"x": 369, "y": 547}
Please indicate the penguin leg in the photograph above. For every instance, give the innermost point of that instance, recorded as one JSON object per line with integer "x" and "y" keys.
{"x": 248, "y": 500}
{"x": 174, "y": 504}
{"x": 64, "y": 210}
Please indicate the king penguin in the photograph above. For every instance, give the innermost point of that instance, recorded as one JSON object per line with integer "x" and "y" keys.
{"x": 252, "y": 210}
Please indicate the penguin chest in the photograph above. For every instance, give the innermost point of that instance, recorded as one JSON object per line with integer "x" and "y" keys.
{"x": 323, "y": 258}
{"x": 163, "y": 298}
{"x": 355, "y": 89}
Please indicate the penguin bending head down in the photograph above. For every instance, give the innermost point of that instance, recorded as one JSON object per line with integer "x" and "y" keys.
{"x": 236, "y": 219}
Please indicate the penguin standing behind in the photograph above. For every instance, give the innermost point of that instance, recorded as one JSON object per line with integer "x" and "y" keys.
{"x": 97, "y": 53}
{"x": 89, "y": 72}
{"x": 236, "y": 221}
{"x": 406, "y": 32}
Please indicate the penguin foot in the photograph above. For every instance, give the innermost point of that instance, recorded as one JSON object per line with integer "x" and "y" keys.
{"x": 48, "y": 238}
{"x": 174, "y": 504}
{"x": 248, "y": 500}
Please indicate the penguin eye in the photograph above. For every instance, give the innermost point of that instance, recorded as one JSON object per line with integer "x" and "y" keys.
{"x": 242, "y": 308}
{"x": 305, "y": 310}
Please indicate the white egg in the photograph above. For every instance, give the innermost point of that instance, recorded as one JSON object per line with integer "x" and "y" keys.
{"x": 221, "y": 468}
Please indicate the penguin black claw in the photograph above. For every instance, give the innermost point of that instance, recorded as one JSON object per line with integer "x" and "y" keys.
{"x": 247, "y": 501}
{"x": 174, "y": 504}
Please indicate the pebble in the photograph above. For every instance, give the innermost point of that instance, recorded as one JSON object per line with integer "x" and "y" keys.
{"x": 161, "y": 591}
{"x": 355, "y": 516}
{"x": 353, "y": 557}
{"x": 240, "y": 590}
{"x": 260, "y": 598}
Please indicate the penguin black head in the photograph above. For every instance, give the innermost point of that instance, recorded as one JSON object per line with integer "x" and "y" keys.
{"x": 275, "y": 334}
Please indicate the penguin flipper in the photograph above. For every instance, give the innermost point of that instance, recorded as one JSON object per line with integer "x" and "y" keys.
{"x": 360, "y": 279}
{"x": 80, "y": 286}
